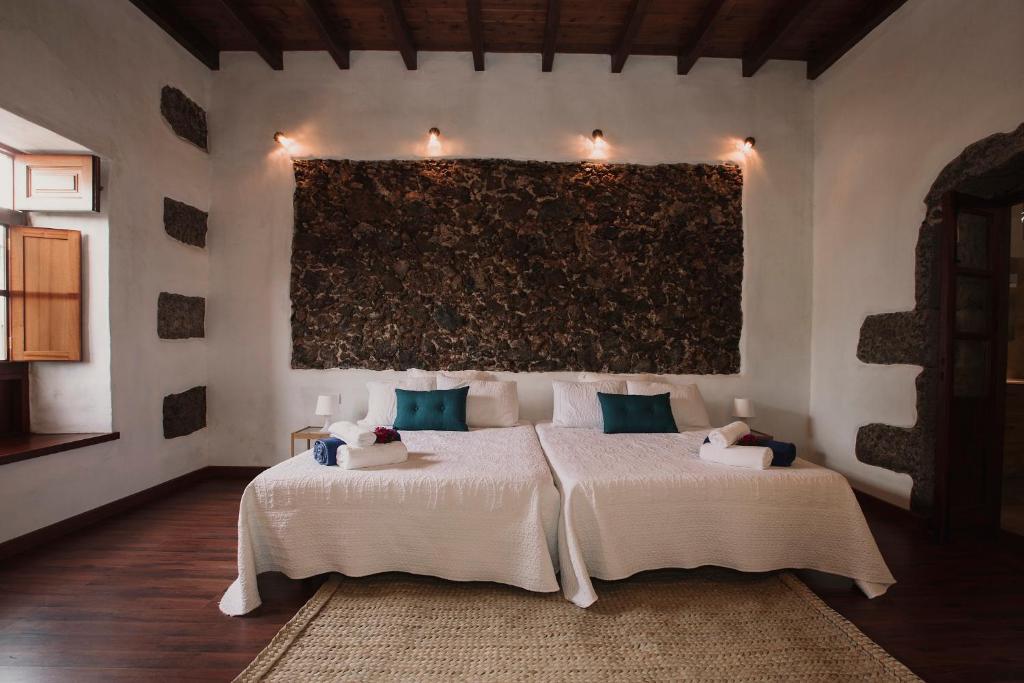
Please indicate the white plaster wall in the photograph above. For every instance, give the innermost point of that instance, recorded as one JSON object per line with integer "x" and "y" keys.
{"x": 378, "y": 110}
{"x": 935, "y": 77}
{"x": 92, "y": 72}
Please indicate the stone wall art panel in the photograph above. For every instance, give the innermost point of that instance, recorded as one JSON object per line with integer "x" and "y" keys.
{"x": 517, "y": 265}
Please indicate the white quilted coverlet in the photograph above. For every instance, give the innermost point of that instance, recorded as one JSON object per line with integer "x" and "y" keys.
{"x": 633, "y": 502}
{"x": 467, "y": 506}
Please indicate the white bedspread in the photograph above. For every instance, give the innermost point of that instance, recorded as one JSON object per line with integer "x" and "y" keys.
{"x": 633, "y": 502}
{"x": 467, "y": 506}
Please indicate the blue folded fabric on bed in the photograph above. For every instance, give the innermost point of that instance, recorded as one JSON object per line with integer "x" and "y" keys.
{"x": 783, "y": 452}
{"x": 325, "y": 451}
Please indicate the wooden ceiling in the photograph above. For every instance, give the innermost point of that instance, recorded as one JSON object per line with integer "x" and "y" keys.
{"x": 817, "y": 32}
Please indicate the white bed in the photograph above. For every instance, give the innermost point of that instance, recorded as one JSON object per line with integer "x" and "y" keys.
{"x": 468, "y": 506}
{"x": 633, "y": 502}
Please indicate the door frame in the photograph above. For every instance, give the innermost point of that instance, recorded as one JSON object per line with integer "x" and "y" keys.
{"x": 999, "y": 260}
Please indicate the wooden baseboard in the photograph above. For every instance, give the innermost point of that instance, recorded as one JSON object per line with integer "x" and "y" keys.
{"x": 232, "y": 471}
{"x": 39, "y": 537}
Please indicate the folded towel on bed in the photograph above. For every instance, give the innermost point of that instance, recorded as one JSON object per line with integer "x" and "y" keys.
{"x": 751, "y": 457}
{"x": 355, "y": 457}
{"x": 783, "y": 452}
{"x": 352, "y": 434}
{"x": 325, "y": 451}
{"x": 729, "y": 434}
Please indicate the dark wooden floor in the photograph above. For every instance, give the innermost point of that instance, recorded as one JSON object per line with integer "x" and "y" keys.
{"x": 135, "y": 598}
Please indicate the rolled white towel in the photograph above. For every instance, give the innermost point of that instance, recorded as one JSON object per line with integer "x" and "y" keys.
{"x": 355, "y": 457}
{"x": 751, "y": 457}
{"x": 723, "y": 437}
{"x": 352, "y": 434}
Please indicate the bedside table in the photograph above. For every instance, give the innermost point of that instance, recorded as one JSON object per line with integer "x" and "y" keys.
{"x": 310, "y": 434}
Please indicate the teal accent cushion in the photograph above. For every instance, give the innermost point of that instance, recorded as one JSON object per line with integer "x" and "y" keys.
{"x": 635, "y": 414}
{"x": 443, "y": 410}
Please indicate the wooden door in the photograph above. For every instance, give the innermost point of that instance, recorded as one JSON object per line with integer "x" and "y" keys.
{"x": 974, "y": 262}
{"x": 45, "y": 282}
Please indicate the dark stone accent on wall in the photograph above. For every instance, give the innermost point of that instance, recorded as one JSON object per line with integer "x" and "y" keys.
{"x": 187, "y": 119}
{"x": 185, "y": 223}
{"x": 184, "y": 413}
{"x": 990, "y": 168}
{"x": 895, "y": 338}
{"x": 520, "y": 266}
{"x": 180, "y": 317}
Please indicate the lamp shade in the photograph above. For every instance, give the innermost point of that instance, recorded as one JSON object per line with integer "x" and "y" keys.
{"x": 325, "y": 405}
{"x": 743, "y": 407}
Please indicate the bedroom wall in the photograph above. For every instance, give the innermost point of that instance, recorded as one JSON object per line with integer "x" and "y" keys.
{"x": 92, "y": 72}
{"x": 378, "y": 110}
{"x": 935, "y": 77}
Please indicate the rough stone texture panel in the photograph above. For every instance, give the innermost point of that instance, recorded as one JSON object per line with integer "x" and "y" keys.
{"x": 185, "y": 223}
{"x": 894, "y": 338}
{"x": 184, "y": 413}
{"x": 520, "y": 266}
{"x": 187, "y": 119}
{"x": 991, "y": 167}
{"x": 180, "y": 317}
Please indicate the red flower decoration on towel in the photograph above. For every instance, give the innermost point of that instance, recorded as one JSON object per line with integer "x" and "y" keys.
{"x": 386, "y": 435}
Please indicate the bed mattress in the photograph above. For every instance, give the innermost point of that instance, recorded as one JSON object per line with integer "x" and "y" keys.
{"x": 468, "y": 506}
{"x": 634, "y": 502}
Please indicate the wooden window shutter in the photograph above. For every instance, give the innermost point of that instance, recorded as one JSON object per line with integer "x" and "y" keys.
{"x": 56, "y": 182}
{"x": 45, "y": 283}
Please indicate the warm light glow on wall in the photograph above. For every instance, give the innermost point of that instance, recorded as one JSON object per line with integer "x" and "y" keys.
{"x": 434, "y": 146}
{"x": 287, "y": 143}
{"x": 740, "y": 151}
{"x": 599, "y": 146}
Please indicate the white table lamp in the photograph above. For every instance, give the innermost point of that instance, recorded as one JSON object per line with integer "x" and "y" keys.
{"x": 743, "y": 408}
{"x": 325, "y": 408}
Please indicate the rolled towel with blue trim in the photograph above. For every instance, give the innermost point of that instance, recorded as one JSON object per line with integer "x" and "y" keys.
{"x": 352, "y": 434}
{"x": 325, "y": 451}
{"x": 723, "y": 437}
{"x": 783, "y": 453}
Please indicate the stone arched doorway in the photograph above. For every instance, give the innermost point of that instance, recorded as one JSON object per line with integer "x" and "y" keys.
{"x": 991, "y": 168}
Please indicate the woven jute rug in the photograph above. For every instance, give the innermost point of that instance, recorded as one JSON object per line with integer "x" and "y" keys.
{"x": 665, "y": 626}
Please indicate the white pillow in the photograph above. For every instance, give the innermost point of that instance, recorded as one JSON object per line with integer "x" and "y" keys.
{"x": 382, "y": 406}
{"x": 576, "y": 403}
{"x": 464, "y": 374}
{"x": 602, "y": 376}
{"x": 490, "y": 403}
{"x": 688, "y": 407}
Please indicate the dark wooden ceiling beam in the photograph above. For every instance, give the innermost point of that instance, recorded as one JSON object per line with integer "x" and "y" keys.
{"x": 869, "y": 19}
{"x": 164, "y": 16}
{"x": 695, "y": 43}
{"x": 334, "y": 41}
{"x": 551, "y": 34}
{"x": 265, "y": 47}
{"x": 634, "y": 18}
{"x": 401, "y": 32}
{"x": 476, "y": 32}
{"x": 763, "y": 47}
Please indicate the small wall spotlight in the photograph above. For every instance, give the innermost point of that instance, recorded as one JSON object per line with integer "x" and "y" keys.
{"x": 599, "y": 146}
{"x": 434, "y": 142}
{"x": 748, "y": 144}
{"x": 280, "y": 138}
